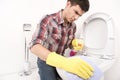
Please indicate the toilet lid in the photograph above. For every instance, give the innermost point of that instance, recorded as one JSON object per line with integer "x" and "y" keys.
{"x": 98, "y": 33}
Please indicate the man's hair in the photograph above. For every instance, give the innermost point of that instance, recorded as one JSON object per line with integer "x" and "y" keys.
{"x": 84, "y": 4}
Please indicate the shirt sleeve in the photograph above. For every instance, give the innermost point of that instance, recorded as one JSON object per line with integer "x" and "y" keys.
{"x": 40, "y": 34}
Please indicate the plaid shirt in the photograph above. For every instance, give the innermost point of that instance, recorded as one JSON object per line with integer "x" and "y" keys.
{"x": 52, "y": 34}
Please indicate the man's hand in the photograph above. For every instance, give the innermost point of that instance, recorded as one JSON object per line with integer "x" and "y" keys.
{"x": 77, "y": 44}
{"x": 74, "y": 65}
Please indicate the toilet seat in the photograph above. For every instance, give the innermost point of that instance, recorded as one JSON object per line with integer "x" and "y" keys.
{"x": 98, "y": 35}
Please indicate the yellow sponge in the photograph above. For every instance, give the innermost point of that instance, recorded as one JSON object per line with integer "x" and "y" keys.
{"x": 78, "y": 44}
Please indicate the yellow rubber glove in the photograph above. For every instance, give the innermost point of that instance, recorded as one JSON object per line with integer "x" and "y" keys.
{"x": 77, "y": 44}
{"x": 74, "y": 65}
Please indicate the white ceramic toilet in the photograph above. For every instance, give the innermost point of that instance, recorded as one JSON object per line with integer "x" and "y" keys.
{"x": 98, "y": 36}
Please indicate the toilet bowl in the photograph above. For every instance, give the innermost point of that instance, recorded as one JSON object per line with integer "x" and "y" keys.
{"x": 98, "y": 35}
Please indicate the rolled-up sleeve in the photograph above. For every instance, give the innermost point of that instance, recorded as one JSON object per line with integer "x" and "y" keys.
{"x": 40, "y": 34}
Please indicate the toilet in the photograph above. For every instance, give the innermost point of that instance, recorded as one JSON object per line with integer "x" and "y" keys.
{"x": 99, "y": 40}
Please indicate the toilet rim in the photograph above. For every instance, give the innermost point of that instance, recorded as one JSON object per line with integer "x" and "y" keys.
{"x": 99, "y": 15}
{"x": 103, "y": 16}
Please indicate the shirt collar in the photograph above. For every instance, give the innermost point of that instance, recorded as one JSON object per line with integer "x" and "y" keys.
{"x": 58, "y": 17}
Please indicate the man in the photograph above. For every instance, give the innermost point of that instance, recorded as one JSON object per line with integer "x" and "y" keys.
{"x": 53, "y": 35}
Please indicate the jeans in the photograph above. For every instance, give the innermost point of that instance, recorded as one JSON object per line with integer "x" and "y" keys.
{"x": 47, "y": 72}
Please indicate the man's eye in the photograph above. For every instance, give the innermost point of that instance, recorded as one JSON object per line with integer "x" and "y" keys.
{"x": 76, "y": 12}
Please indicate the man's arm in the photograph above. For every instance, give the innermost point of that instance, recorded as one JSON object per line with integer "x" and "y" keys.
{"x": 40, "y": 51}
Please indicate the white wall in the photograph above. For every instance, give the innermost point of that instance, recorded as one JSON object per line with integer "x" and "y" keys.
{"x": 14, "y": 13}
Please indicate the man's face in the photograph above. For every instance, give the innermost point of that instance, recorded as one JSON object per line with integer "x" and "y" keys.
{"x": 73, "y": 12}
